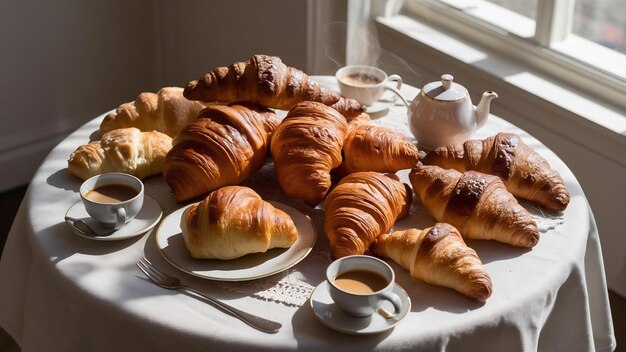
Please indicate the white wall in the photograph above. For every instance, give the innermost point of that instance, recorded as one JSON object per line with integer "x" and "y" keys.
{"x": 196, "y": 36}
{"x": 64, "y": 62}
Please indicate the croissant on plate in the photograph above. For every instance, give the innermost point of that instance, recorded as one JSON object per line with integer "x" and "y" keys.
{"x": 306, "y": 147}
{"x": 524, "y": 172}
{"x": 360, "y": 208}
{"x": 267, "y": 81}
{"x": 439, "y": 256}
{"x": 370, "y": 147}
{"x": 234, "y": 221}
{"x": 167, "y": 111}
{"x": 225, "y": 146}
{"x": 477, "y": 204}
{"x": 126, "y": 150}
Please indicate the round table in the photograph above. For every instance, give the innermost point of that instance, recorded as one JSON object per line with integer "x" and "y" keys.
{"x": 62, "y": 292}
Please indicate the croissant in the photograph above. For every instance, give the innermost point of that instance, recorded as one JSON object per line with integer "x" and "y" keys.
{"x": 355, "y": 120}
{"x": 225, "y": 146}
{"x": 234, "y": 221}
{"x": 360, "y": 208}
{"x": 349, "y": 108}
{"x": 475, "y": 203}
{"x": 267, "y": 81}
{"x": 524, "y": 172}
{"x": 306, "y": 147}
{"x": 370, "y": 147}
{"x": 167, "y": 111}
{"x": 439, "y": 256}
{"x": 126, "y": 150}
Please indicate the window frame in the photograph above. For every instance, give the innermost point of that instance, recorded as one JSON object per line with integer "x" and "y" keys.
{"x": 544, "y": 51}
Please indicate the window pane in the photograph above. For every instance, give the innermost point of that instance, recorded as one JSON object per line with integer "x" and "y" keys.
{"x": 526, "y": 8}
{"x": 514, "y": 16}
{"x": 601, "y": 21}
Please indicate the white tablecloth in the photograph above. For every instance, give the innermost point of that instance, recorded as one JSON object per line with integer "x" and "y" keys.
{"x": 62, "y": 292}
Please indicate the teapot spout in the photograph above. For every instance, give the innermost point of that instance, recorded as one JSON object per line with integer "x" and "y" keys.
{"x": 482, "y": 109}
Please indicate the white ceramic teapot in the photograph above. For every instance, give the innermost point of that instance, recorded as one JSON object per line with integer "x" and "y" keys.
{"x": 443, "y": 113}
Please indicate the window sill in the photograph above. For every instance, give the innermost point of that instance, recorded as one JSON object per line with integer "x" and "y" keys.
{"x": 572, "y": 114}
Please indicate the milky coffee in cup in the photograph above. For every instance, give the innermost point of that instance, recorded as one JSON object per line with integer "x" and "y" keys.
{"x": 359, "y": 283}
{"x": 366, "y": 84}
{"x": 113, "y": 198}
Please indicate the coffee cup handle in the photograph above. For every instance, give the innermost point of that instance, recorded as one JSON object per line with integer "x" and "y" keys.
{"x": 395, "y": 300}
{"x": 396, "y": 89}
{"x": 121, "y": 218}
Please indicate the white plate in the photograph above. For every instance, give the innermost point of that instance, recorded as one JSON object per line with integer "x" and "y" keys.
{"x": 335, "y": 318}
{"x": 146, "y": 219}
{"x": 252, "y": 266}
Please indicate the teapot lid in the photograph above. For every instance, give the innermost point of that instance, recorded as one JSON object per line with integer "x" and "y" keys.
{"x": 445, "y": 90}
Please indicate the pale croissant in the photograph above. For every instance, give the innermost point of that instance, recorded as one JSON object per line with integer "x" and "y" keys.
{"x": 306, "y": 147}
{"x": 475, "y": 203}
{"x": 234, "y": 221}
{"x": 167, "y": 111}
{"x": 267, "y": 81}
{"x": 126, "y": 150}
{"x": 524, "y": 172}
{"x": 225, "y": 146}
{"x": 361, "y": 207}
{"x": 369, "y": 147}
{"x": 439, "y": 256}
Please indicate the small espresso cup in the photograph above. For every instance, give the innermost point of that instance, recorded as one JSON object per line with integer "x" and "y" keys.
{"x": 366, "y": 84}
{"x": 112, "y": 198}
{"x": 359, "y": 283}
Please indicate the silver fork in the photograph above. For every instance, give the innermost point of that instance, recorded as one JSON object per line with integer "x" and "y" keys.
{"x": 163, "y": 280}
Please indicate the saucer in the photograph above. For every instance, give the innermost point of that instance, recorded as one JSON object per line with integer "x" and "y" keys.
{"x": 379, "y": 106}
{"x": 146, "y": 219}
{"x": 386, "y": 102}
{"x": 335, "y": 318}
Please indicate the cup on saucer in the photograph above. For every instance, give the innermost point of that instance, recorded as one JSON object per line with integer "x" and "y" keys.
{"x": 112, "y": 199}
{"x": 366, "y": 84}
{"x": 359, "y": 284}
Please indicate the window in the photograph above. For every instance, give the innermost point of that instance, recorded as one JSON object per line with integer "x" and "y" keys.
{"x": 581, "y": 42}
{"x": 603, "y": 22}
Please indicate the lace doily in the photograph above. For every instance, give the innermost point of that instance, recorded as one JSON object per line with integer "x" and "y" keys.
{"x": 293, "y": 287}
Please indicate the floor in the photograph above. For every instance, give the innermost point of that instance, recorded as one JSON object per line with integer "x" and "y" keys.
{"x": 10, "y": 201}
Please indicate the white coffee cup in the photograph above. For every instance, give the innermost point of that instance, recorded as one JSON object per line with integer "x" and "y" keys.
{"x": 351, "y": 298}
{"x": 366, "y": 84}
{"x": 113, "y": 198}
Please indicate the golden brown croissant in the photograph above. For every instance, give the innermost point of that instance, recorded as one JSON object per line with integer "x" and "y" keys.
{"x": 167, "y": 111}
{"x": 439, "y": 256}
{"x": 226, "y": 145}
{"x": 349, "y": 108}
{"x": 524, "y": 172}
{"x": 125, "y": 150}
{"x": 306, "y": 147}
{"x": 267, "y": 81}
{"x": 355, "y": 120}
{"x": 370, "y": 147}
{"x": 234, "y": 221}
{"x": 363, "y": 206}
{"x": 475, "y": 203}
